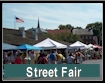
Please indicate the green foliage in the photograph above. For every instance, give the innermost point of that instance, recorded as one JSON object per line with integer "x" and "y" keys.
{"x": 79, "y": 27}
{"x": 68, "y": 26}
{"x": 97, "y": 28}
{"x": 67, "y": 37}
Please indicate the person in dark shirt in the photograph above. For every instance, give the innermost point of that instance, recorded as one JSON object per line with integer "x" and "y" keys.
{"x": 42, "y": 59}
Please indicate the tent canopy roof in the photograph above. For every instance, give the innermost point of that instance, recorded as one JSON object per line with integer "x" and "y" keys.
{"x": 50, "y": 44}
{"x": 28, "y": 47}
{"x": 78, "y": 44}
{"x": 9, "y": 46}
{"x": 92, "y": 46}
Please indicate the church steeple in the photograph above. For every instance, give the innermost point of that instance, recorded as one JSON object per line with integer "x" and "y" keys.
{"x": 38, "y": 23}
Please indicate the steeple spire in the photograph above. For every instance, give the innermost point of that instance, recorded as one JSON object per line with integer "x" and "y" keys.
{"x": 38, "y": 23}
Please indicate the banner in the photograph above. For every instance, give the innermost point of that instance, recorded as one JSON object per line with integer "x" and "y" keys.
{"x": 51, "y": 70}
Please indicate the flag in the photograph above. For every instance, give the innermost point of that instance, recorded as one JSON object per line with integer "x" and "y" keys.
{"x": 19, "y": 20}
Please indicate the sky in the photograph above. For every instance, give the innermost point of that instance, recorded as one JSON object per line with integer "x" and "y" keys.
{"x": 51, "y": 15}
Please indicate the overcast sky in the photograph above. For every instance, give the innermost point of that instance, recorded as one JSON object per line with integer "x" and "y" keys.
{"x": 51, "y": 15}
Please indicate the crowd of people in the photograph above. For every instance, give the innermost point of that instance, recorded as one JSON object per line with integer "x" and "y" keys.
{"x": 51, "y": 57}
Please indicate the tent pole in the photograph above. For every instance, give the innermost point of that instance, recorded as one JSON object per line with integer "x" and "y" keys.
{"x": 56, "y": 50}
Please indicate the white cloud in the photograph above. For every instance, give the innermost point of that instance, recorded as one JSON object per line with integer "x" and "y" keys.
{"x": 76, "y": 15}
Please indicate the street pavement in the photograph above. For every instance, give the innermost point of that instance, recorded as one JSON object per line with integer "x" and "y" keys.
{"x": 65, "y": 78}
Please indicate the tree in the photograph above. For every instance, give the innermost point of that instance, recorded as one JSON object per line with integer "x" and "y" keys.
{"x": 76, "y": 38}
{"x": 97, "y": 29}
{"x": 62, "y": 27}
{"x": 67, "y": 37}
{"x": 68, "y": 26}
{"x": 79, "y": 27}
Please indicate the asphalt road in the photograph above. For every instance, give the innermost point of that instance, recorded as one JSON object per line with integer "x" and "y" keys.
{"x": 66, "y": 78}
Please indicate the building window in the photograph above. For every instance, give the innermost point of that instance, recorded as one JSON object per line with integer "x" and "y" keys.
{"x": 86, "y": 37}
{"x": 90, "y": 37}
{"x": 82, "y": 37}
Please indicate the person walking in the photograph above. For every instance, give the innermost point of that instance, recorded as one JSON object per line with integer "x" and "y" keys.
{"x": 18, "y": 60}
{"x": 70, "y": 59}
{"x": 52, "y": 57}
{"x": 43, "y": 59}
{"x": 59, "y": 58}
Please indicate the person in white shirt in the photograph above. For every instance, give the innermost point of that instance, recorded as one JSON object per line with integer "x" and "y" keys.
{"x": 32, "y": 54}
{"x": 70, "y": 59}
{"x": 28, "y": 59}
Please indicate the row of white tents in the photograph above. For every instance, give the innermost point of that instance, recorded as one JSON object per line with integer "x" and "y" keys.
{"x": 51, "y": 44}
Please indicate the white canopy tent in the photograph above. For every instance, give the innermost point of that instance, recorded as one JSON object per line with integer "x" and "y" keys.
{"x": 6, "y": 46}
{"x": 92, "y": 46}
{"x": 50, "y": 44}
{"x": 78, "y": 45}
{"x": 86, "y": 46}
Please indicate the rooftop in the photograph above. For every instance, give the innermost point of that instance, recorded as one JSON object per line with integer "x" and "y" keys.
{"x": 11, "y": 36}
{"x": 82, "y": 32}
{"x": 58, "y": 31}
